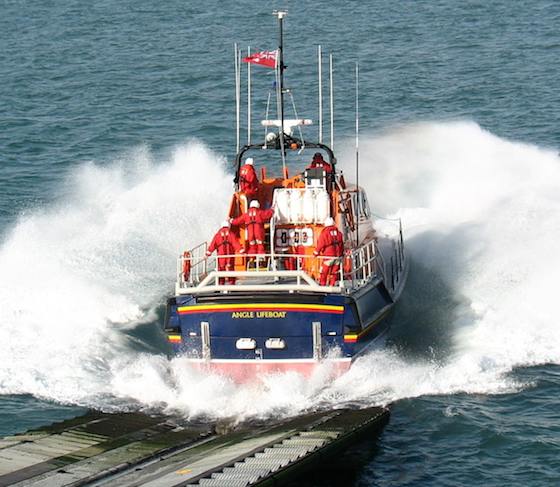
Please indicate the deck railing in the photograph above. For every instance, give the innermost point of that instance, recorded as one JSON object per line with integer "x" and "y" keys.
{"x": 290, "y": 272}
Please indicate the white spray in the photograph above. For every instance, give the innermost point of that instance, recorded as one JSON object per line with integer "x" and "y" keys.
{"x": 481, "y": 217}
{"x": 74, "y": 273}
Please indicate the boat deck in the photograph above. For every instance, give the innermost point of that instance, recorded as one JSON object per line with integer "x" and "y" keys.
{"x": 379, "y": 259}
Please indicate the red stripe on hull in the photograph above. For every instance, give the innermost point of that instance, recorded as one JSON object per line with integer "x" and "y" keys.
{"x": 252, "y": 369}
{"x": 233, "y": 310}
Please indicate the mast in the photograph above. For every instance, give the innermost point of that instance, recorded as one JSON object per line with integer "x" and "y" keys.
{"x": 281, "y": 14}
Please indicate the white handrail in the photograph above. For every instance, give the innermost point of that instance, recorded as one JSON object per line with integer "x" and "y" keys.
{"x": 356, "y": 269}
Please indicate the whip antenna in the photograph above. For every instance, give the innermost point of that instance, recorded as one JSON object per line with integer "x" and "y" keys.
{"x": 320, "y": 65}
{"x": 331, "y": 101}
{"x": 357, "y": 160}
{"x": 249, "y": 97}
{"x": 237, "y": 90}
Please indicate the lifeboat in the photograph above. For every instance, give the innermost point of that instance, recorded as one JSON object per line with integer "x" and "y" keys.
{"x": 277, "y": 315}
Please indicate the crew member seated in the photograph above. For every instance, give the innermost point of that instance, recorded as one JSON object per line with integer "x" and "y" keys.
{"x": 319, "y": 162}
{"x": 319, "y": 173}
{"x": 248, "y": 179}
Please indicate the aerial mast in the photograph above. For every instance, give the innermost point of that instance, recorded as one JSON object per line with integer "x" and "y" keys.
{"x": 331, "y": 90}
{"x": 320, "y": 67}
{"x": 237, "y": 60}
{"x": 248, "y": 97}
{"x": 358, "y": 194}
{"x": 281, "y": 14}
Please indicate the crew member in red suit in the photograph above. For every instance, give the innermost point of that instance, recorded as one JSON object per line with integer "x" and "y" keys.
{"x": 254, "y": 221}
{"x": 248, "y": 180}
{"x": 291, "y": 263}
{"x": 319, "y": 162}
{"x": 225, "y": 243}
{"x": 330, "y": 244}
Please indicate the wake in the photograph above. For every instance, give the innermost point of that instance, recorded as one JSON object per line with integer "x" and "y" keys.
{"x": 481, "y": 226}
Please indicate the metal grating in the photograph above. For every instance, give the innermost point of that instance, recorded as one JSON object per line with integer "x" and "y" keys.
{"x": 272, "y": 459}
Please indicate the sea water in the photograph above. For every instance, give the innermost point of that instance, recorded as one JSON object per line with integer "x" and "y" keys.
{"x": 117, "y": 135}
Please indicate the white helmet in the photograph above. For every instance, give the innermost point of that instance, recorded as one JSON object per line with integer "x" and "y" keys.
{"x": 225, "y": 223}
{"x": 249, "y": 161}
{"x": 254, "y": 204}
{"x": 329, "y": 221}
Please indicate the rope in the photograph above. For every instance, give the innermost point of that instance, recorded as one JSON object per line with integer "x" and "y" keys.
{"x": 279, "y": 109}
{"x": 299, "y": 126}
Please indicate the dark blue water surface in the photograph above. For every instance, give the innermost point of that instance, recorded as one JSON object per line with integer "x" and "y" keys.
{"x": 96, "y": 81}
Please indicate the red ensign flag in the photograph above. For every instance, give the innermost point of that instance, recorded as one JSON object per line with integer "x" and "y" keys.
{"x": 264, "y": 58}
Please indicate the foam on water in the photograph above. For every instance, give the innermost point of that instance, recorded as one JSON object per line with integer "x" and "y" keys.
{"x": 481, "y": 219}
{"x": 482, "y": 214}
{"x": 73, "y": 274}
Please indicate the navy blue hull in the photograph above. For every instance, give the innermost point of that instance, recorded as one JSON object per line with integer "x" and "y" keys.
{"x": 348, "y": 324}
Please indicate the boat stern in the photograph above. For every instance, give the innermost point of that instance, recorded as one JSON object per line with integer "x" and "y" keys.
{"x": 243, "y": 339}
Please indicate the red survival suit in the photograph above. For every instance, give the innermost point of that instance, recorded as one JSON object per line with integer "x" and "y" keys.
{"x": 248, "y": 181}
{"x": 225, "y": 243}
{"x": 330, "y": 244}
{"x": 291, "y": 263}
{"x": 254, "y": 221}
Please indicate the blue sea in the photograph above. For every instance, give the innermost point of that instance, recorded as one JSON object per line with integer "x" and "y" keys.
{"x": 117, "y": 136}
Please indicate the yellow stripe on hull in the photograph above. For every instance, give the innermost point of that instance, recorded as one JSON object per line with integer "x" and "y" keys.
{"x": 263, "y": 306}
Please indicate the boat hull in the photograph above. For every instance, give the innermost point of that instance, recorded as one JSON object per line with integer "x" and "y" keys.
{"x": 236, "y": 335}
{"x": 247, "y": 370}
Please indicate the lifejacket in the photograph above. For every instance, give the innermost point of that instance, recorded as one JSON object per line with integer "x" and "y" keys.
{"x": 335, "y": 241}
{"x": 224, "y": 243}
{"x": 254, "y": 219}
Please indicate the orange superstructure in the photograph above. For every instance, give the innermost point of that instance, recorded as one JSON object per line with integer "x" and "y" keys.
{"x": 301, "y": 204}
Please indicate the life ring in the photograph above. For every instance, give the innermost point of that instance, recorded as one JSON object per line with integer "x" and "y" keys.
{"x": 186, "y": 265}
